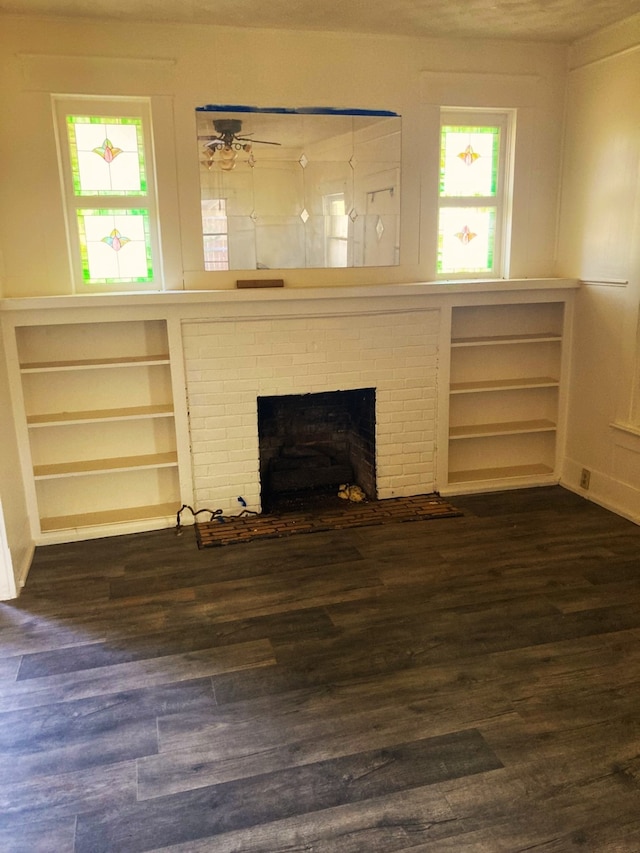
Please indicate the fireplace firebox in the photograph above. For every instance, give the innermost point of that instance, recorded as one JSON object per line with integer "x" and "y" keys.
{"x": 310, "y": 444}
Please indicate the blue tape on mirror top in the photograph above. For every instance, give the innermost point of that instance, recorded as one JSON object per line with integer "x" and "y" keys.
{"x": 243, "y": 108}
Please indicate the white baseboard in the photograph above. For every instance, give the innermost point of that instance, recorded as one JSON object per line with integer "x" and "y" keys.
{"x": 16, "y": 564}
{"x": 103, "y": 531}
{"x": 22, "y": 568}
{"x": 618, "y": 497}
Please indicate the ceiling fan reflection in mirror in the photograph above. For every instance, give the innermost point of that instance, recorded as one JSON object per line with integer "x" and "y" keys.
{"x": 227, "y": 142}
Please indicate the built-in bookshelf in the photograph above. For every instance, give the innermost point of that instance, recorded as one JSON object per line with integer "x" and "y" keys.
{"x": 100, "y": 419}
{"x": 504, "y": 393}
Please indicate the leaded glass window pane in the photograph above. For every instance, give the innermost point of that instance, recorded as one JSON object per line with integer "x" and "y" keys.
{"x": 107, "y": 156}
{"x": 115, "y": 246}
{"x": 466, "y": 239}
{"x": 469, "y": 158}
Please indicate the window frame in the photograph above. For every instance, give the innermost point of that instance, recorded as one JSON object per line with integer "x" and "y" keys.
{"x": 502, "y": 202}
{"x": 223, "y": 265}
{"x": 116, "y": 108}
{"x": 334, "y": 238}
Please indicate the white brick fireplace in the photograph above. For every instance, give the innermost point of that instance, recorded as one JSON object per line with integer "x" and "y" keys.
{"x": 231, "y": 361}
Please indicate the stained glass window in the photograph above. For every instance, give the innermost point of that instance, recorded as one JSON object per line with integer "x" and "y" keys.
{"x": 107, "y": 156}
{"x": 469, "y": 161}
{"x": 471, "y": 195}
{"x": 115, "y": 246}
{"x": 107, "y": 170}
{"x": 466, "y": 239}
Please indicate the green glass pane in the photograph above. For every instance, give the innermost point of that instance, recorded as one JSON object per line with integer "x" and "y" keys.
{"x": 107, "y": 156}
{"x": 469, "y": 161}
{"x": 466, "y": 240}
{"x": 115, "y": 246}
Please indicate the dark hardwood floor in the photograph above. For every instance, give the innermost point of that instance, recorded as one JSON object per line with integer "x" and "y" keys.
{"x": 464, "y": 685}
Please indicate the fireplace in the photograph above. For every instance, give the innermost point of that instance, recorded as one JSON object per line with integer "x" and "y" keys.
{"x": 310, "y": 444}
{"x": 298, "y": 345}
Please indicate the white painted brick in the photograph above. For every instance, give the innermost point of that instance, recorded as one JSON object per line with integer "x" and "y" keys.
{"x": 413, "y": 361}
{"x": 377, "y": 378}
{"x": 213, "y": 445}
{"x": 233, "y": 444}
{"x": 384, "y": 418}
{"x": 388, "y": 470}
{"x": 218, "y": 478}
{"x": 251, "y": 372}
{"x": 202, "y": 461}
{"x": 409, "y": 460}
{"x": 393, "y": 406}
{"x": 285, "y": 347}
{"x": 412, "y": 438}
{"x": 279, "y": 362}
{"x": 206, "y": 403}
{"x": 230, "y": 364}
{"x": 406, "y": 394}
{"x": 308, "y": 358}
{"x": 412, "y": 375}
{"x": 207, "y": 385}
{"x": 196, "y": 423}
{"x": 236, "y": 398}
{"x": 223, "y": 422}
{"x": 237, "y": 409}
{"x": 236, "y": 468}
{"x": 421, "y": 469}
{"x": 246, "y": 432}
{"x": 404, "y": 480}
{"x": 250, "y": 421}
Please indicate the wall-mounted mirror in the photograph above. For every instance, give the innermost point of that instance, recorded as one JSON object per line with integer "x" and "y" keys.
{"x": 295, "y": 188}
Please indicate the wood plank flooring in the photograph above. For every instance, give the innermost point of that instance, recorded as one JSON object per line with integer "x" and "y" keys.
{"x": 466, "y": 685}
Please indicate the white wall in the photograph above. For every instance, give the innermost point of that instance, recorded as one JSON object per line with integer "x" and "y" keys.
{"x": 598, "y": 242}
{"x": 182, "y": 66}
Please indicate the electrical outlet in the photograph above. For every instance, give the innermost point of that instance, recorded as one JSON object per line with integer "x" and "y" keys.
{"x": 585, "y": 478}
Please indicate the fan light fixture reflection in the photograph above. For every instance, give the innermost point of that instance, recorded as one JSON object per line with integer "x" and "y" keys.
{"x": 228, "y": 143}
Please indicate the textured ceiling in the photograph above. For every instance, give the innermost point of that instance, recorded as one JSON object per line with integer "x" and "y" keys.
{"x": 540, "y": 20}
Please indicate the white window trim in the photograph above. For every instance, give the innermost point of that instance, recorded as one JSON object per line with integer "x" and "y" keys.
{"x": 118, "y": 107}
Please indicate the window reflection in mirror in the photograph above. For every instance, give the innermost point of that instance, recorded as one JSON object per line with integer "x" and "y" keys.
{"x": 283, "y": 189}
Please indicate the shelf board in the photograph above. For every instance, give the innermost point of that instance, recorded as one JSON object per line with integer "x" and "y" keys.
{"x": 510, "y": 428}
{"x": 100, "y": 415}
{"x": 497, "y": 340}
{"x": 503, "y": 384}
{"x": 97, "y": 466}
{"x": 111, "y": 516}
{"x": 92, "y": 363}
{"x": 508, "y": 473}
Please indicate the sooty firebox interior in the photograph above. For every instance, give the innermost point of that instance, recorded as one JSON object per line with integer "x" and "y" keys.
{"x": 310, "y": 444}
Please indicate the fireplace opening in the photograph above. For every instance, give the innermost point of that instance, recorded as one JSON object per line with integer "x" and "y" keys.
{"x": 311, "y": 444}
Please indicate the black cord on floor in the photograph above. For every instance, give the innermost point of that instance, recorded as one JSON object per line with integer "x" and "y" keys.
{"x": 213, "y": 513}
